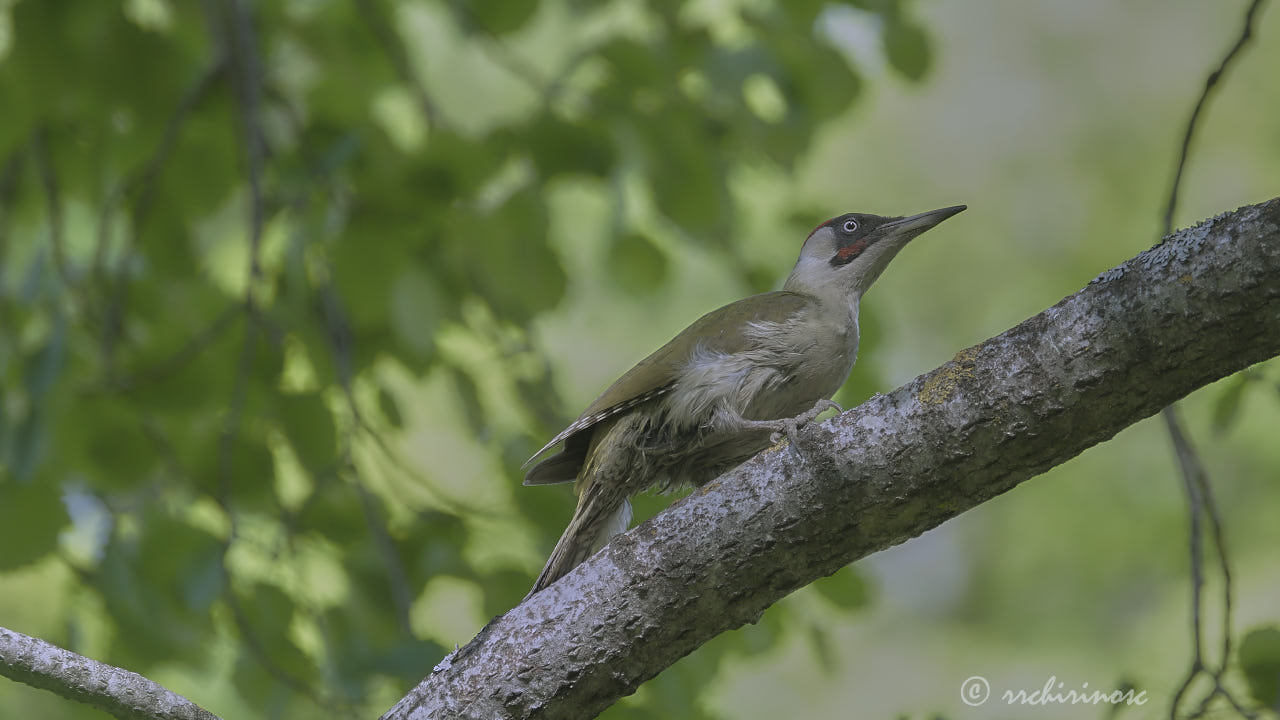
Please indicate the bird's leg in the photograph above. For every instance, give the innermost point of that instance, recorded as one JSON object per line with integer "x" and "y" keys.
{"x": 790, "y": 427}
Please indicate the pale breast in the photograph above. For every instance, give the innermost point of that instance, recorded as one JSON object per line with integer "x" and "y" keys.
{"x": 811, "y": 360}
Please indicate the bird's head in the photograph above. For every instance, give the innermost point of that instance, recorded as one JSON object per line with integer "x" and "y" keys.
{"x": 844, "y": 255}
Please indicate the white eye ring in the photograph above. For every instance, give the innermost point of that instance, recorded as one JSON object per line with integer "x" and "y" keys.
{"x": 850, "y": 225}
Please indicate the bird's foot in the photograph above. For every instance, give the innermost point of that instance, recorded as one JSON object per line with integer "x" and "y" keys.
{"x": 812, "y": 413}
{"x": 790, "y": 427}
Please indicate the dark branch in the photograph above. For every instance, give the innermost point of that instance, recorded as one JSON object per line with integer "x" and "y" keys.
{"x": 397, "y": 581}
{"x": 8, "y": 188}
{"x": 197, "y": 344}
{"x": 247, "y": 83}
{"x": 1198, "y": 307}
{"x": 1195, "y": 480}
{"x": 399, "y": 56}
{"x": 146, "y": 181}
{"x": 121, "y": 693}
{"x": 53, "y": 203}
{"x": 1209, "y": 84}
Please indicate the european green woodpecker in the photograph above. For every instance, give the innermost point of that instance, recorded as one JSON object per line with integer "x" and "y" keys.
{"x": 716, "y": 394}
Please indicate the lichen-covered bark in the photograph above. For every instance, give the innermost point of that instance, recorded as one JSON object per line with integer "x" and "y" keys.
{"x": 1201, "y": 305}
{"x": 121, "y": 693}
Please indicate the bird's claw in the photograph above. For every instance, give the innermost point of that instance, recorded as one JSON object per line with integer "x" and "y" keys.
{"x": 789, "y": 430}
{"x": 812, "y": 413}
{"x": 790, "y": 427}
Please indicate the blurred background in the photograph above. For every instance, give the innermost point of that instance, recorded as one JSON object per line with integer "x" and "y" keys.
{"x": 290, "y": 289}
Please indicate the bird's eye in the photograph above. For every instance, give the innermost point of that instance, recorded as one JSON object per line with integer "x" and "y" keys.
{"x": 850, "y": 225}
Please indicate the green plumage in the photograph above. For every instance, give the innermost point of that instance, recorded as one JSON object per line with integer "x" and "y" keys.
{"x": 723, "y": 330}
{"x": 713, "y": 396}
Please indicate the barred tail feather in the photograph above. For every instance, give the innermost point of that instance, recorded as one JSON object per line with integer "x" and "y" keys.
{"x": 601, "y": 514}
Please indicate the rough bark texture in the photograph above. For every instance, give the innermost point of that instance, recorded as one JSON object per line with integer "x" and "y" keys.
{"x": 1201, "y": 305}
{"x": 126, "y": 695}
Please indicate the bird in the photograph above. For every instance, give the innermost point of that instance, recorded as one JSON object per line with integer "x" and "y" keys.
{"x": 723, "y": 389}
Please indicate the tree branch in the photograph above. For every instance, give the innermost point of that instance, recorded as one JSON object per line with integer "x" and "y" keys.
{"x": 1195, "y": 480}
{"x": 122, "y": 693}
{"x": 1209, "y": 84}
{"x": 1195, "y": 308}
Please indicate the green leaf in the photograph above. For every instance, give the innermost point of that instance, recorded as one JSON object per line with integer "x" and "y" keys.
{"x": 765, "y": 633}
{"x": 267, "y": 615}
{"x": 361, "y": 646}
{"x": 686, "y": 173}
{"x": 820, "y": 643}
{"x": 254, "y": 683}
{"x": 243, "y": 462}
{"x": 174, "y": 371}
{"x": 182, "y": 561}
{"x": 362, "y": 270}
{"x": 353, "y": 64}
{"x": 1227, "y": 407}
{"x": 417, "y": 311}
{"x": 506, "y": 256}
{"x": 1260, "y": 662}
{"x": 497, "y": 16}
{"x": 390, "y": 408}
{"x": 309, "y": 426}
{"x": 331, "y": 512}
{"x": 158, "y": 585}
{"x": 503, "y": 590}
{"x": 28, "y": 447}
{"x": 803, "y": 13}
{"x": 636, "y": 264}
{"x": 763, "y": 279}
{"x": 907, "y": 47}
{"x": 633, "y": 65}
{"x": 559, "y": 146}
{"x": 818, "y": 81}
{"x": 31, "y": 516}
{"x": 469, "y": 397}
{"x": 44, "y": 367}
{"x": 846, "y": 588}
{"x": 433, "y": 547}
{"x": 109, "y": 443}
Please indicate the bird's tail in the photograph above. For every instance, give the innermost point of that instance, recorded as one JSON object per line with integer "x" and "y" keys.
{"x": 601, "y": 514}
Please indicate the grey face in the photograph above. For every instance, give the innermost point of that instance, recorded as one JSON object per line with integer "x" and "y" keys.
{"x": 844, "y": 255}
{"x": 852, "y": 233}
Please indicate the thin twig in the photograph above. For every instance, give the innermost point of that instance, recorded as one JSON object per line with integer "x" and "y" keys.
{"x": 548, "y": 89}
{"x": 238, "y": 40}
{"x": 148, "y": 180}
{"x": 1195, "y": 480}
{"x": 8, "y": 187}
{"x": 1209, "y": 84}
{"x": 197, "y": 344}
{"x": 248, "y": 87}
{"x": 254, "y": 644}
{"x": 397, "y": 581}
{"x": 53, "y": 202}
{"x": 339, "y": 337}
{"x": 145, "y": 181}
{"x": 106, "y": 212}
{"x": 1190, "y": 467}
{"x": 246, "y": 82}
{"x": 391, "y": 44}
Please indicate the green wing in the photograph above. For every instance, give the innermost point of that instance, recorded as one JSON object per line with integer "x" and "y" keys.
{"x": 654, "y": 375}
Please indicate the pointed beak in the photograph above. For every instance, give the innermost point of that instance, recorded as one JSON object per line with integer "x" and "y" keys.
{"x": 909, "y": 227}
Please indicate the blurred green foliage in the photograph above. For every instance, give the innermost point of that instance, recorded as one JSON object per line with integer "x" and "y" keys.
{"x": 290, "y": 288}
{"x": 1260, "y": 661}
{"x": 238, "y": 240}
